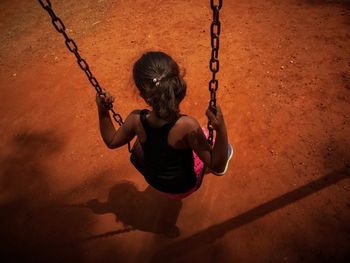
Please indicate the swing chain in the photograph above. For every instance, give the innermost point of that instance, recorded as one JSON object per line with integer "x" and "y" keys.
{"x": 73, "y": 48}
{"x": 215, "y": 29}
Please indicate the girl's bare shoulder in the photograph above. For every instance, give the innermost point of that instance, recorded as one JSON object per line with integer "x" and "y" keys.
{"x": 135, "y": 114}
{"x": 133, "y": 117}
{"x": 188, "y": 123}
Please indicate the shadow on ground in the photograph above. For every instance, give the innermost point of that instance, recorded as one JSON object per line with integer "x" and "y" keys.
{"x": 22, "y": 172}
{"x": 32, "y": 227}
{"x": 345, "y": 3}
{"x": 139, "y": 210}
{"x": 201, "y": 240}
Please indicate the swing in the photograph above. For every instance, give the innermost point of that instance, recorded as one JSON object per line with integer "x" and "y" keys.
{"x": 136, "y": 156}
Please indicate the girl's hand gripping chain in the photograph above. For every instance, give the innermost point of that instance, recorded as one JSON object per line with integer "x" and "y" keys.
{"x": 217, "y": 120}
{"x": 105, "y": 100}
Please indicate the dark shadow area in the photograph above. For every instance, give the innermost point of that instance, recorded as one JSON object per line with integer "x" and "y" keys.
{"x": 146, "y": 210}
{"x": 177, "y": 250}
{"x": 345, "y": 3}
{"x": 32, "y": 228}
{"x": 21, "y": 171}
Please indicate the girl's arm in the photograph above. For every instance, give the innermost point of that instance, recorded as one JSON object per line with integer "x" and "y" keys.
{"x": 215, "y": 157}
{"x": 113, "y": 138}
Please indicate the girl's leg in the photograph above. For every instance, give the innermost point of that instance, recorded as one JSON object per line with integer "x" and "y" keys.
{"x": 230, "y": 154}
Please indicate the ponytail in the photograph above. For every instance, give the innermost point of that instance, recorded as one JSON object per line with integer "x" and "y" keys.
{"x": 157, "y": 77}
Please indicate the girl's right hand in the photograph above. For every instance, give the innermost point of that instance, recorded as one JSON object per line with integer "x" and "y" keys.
{"x": 217, "y": 121}
{"x": 104, "y": 101}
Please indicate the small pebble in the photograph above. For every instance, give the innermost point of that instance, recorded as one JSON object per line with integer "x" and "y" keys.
{"x": 14, "y": 74}
{"x": 282, "y": 67}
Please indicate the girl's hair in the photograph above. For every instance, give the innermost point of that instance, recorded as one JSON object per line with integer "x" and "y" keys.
{"x": 157, "y": 77}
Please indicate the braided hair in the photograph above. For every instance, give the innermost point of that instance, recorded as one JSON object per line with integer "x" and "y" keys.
{"x": 157, "y": 77}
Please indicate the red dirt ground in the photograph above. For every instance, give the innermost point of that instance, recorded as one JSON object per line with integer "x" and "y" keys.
{"x": 285, "y": 92}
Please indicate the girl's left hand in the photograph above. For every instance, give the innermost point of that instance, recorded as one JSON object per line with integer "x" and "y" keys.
{"x": 105, "y": 100}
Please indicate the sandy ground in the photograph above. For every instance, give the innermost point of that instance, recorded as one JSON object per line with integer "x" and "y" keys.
{"x": 284, "y": 90}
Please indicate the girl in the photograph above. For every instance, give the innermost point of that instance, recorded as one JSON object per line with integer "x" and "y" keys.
{"x": 172, "y": 149}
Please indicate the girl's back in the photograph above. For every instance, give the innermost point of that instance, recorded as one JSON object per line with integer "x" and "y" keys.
{"x": 178, "y": 134}
{"x": 167, "y": 167}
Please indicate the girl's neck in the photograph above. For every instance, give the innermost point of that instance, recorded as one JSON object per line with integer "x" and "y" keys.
{"x": 154, "y": 120}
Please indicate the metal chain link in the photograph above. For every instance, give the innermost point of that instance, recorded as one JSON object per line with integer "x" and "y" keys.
{"x": 215, "y": 29}
{"x": 73, "y": 48}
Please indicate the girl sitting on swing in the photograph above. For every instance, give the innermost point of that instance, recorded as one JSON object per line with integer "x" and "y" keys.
{"x": 172, "y": 151}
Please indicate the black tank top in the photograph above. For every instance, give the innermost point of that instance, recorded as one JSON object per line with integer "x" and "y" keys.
{"x": 166, "y": 168}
